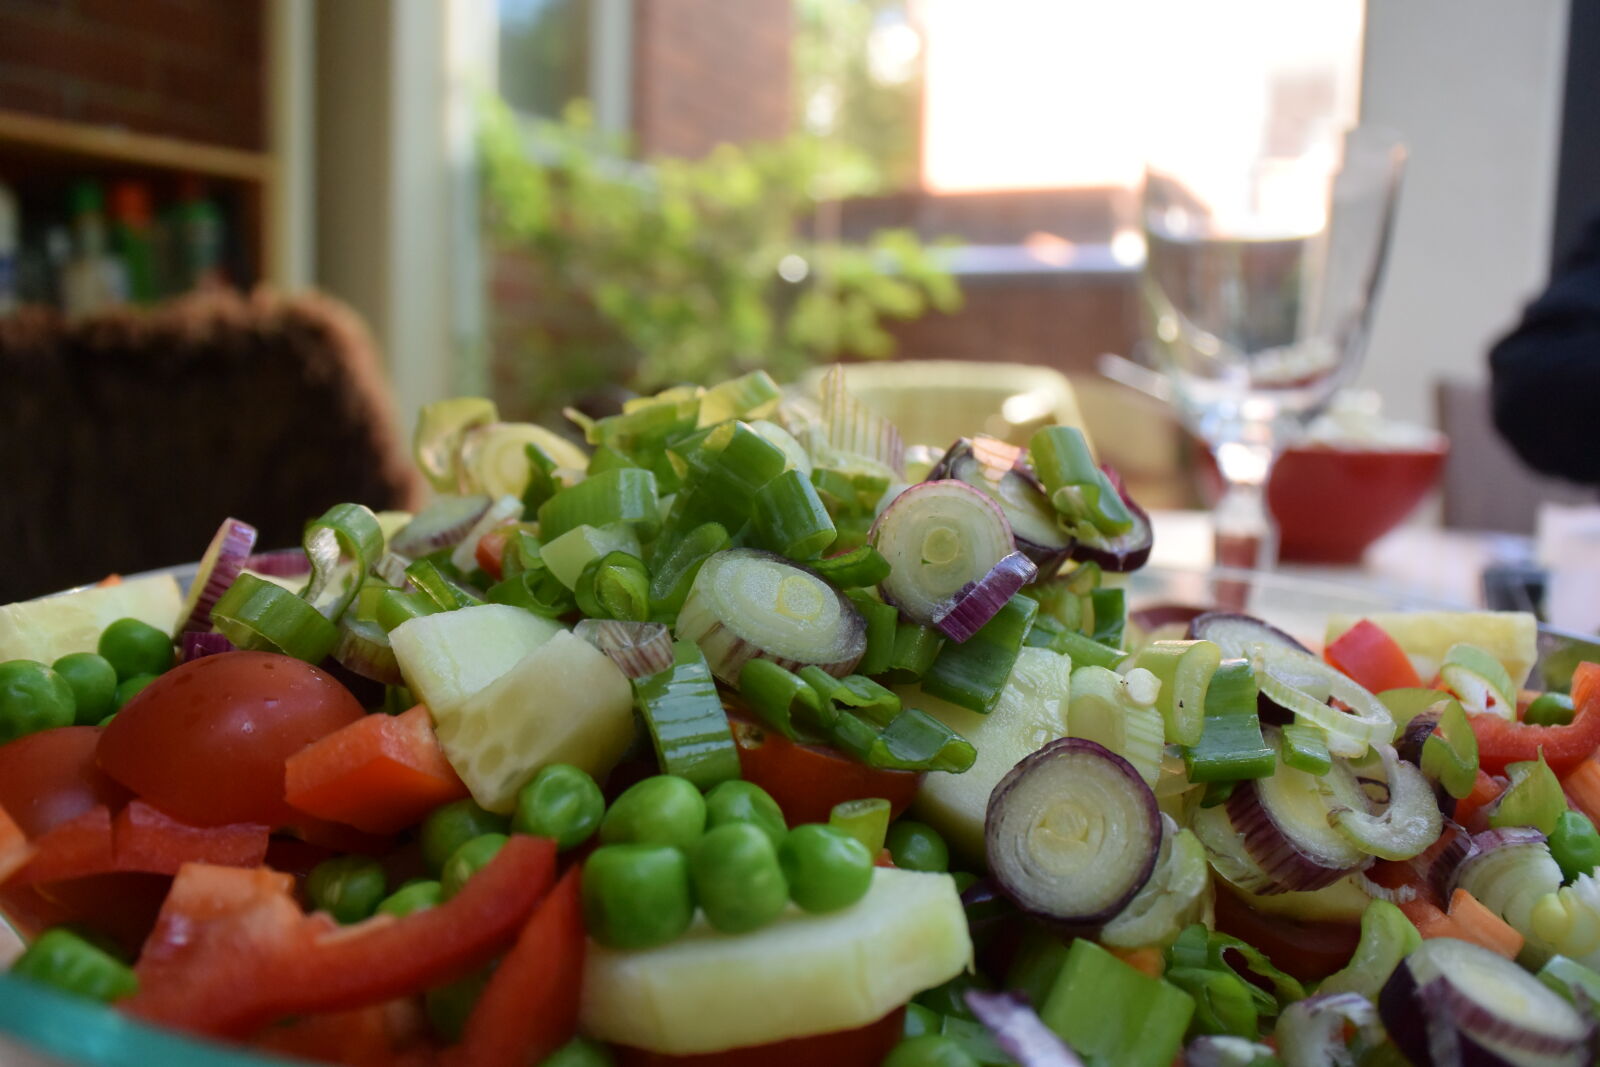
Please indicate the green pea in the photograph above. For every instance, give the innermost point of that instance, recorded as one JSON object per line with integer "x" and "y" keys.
{"x": 129, "y": 688}
{"x": 135, "y": 647}
{"x": 449, "y": 827}
{"x": 929, "y": 1050}
{"x": 347, "y": 887}
{"x": 32, "y": 698}
{"x": 562, "y": 802}
{"x": 737, "y": 878}
{"x": 636, "y": 896}
{"x": 449, "y": 1006}
{"x": 579, "y": 1052}
{"x": 1575, "y": 845}
{"x": 94, "y": 684}
{"x": 664, "y": 810}
{"x": 739, "y": 801}
{"x": 467, "y": 861}
{"x": 411, "y": 898}
{"x": 827, "y": 869}
{"x": 62, "y": 959}
{"x": 1549, "y": 709}
{"x": 916, "y": 846}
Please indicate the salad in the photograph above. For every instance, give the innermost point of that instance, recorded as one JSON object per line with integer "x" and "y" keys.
{"x": 748, "y": 734}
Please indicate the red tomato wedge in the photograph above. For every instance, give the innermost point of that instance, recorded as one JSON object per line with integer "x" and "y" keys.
{"x": 808, "y": 780}
{"x": 380, "y": 774}
{"x": 864, "y": 1045}
{"x": 206, "y": 742}
{"x": 530, "y": 1006}
{"x": 1502, "y": 741}
{"x": 1371, "y": 658}
{"x": 232, "y": 951}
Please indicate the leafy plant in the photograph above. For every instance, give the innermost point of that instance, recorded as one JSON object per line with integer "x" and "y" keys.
{"x": 683, "y": 270}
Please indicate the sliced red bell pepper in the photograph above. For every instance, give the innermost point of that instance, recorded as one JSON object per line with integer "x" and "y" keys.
{"x": 1502, "y": 742}
{"x": 1370, "y": 657}
{"x": 380, "y": 774}
{"x": 14, "y": 848}
{"x": 1470, "y": 808}
{"x": 530, "y": 1006}
{"x": 808, "y": 780}
{"x": 384, "y": 1035}
{"x": 77, "y": 848}
{"x": 144, "y": 839}
{"x": 231, "y": 951}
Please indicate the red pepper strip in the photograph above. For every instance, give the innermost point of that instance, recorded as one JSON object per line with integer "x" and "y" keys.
{"x": 384, "y": 1035}
{"x": 145, "y": 839}
{"x": 1371, "y": 658}
{"x": 73, "y": 849}
{"x": 14, "y": 848}
{"x": 380, "y": 773}
{"x": 1484, "y": 792}
{"x": 530, "y": 1007}
{"x": 1502, "y": 742}
{"x": 232, "y": 952}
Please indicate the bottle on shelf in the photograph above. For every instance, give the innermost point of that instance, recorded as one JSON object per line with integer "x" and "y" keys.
{"x": 10, "y": 227}
{"x": 197, "y": 234}
{"x": 134, "y": 239}
{"x": 94, "y": 279}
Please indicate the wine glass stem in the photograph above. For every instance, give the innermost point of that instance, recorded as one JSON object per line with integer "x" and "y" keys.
{"x": 1245, "y": 535}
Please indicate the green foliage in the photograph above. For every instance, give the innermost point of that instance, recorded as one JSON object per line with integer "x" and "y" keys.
{"x": 669, "y": 272}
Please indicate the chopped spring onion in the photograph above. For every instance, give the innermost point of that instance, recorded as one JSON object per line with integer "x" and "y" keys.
{"x": 364, "y": 649}
{"x": 224, "y": 558}
{"x": 446, "y": 593}
{"x": 441, "y": 426}
{"x": 1319, "y": 1029}
{"x": 535, "y": 589}
{"x": 1111, "y": 1013}
{"x": 1185, "y": 669}
{"x": 722, "y": 476}
{"x": 859, "y": 694}
{"x": 542, "y": 483}
{"x": 750, "y": 396}
{"x": 1223, "y": 1003}
{"x": 1479, "y": 681}
{"x": 626, "y": 495}
{"x": 639, "y": 649}
{"x": 972, "y": 674}
{"x": 569, "y": 554}
{"x": 866, "y": 820}
{"x": 1084, "y": 651}
{"x": 1534, "y": 797}
{"x": 790, "y": 518}
{"x": 783, "y": 701}
{"x": 1109, "y": 615}
{"x": 859, "y": 567}
{"x": 1305, "y": 748}
{"x": 673, "y": 572}
{"x": 1230, "y": 745}
{"x": 1105, "y": 708}
{"x": 1089, "y": 503}
{"x": 615, "y": 586}
{"x": 882, "y": 622}
{"x": 396, "y": 606}
{"x": 1213, "y": 950}
{"x": 912, "y": 741}
{"x": 941, "y": 539}
{"x": 1387, "y": 937}
{"x": 342, "y": 546}
{"x": 746, "y": 604}
{"x": 686, "y": 720}
{"x": 256, "y": 614}
{"x": 997, "y": 470}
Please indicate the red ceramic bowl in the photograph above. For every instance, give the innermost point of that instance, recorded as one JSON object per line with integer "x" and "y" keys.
{"x": 1332, "y": 501}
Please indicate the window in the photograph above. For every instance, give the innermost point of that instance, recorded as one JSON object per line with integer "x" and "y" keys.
{"x": 550, "y": 53}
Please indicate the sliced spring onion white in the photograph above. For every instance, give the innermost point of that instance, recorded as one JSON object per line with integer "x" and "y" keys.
{"x": 1175, "y": 896}
{"x": 746, "y": 604}
{"x": 1508, "y": 872}
{"x": 505, "y": 509}
{"x": 494, "y": 457}
{"x": 1119, "y": 712}
{"x": 442, "y": 524}
{"x": 941, "y": 539}
{"x": 224, "y": 558}
{"x": 1124, "y": 552}
{"x": 1408, "y": 823}
{"x": 640, "y": 649}
{"x": 1072, "y": 833}
{"x": 363, "y": 648}
{"x": 1000, "y": 471}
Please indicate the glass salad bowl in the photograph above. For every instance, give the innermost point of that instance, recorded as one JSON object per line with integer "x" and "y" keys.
{"x": 41, "y": 1027}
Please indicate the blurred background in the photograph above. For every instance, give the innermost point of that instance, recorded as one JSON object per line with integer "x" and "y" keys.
{"x": 556, "y": 202}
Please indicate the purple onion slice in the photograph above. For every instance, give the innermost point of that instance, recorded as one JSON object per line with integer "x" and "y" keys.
{"x": 223, "y": 560}
{"x": 1453, "y": 1002}
{"x": 442, "y": 524}
{"x": 940, "y": 538}
{"x": 639, "y": 649}
{"x": 1000, "y": 471}
{"x": 280, "y": 563}
{"x": 193, "y": 645}
{"x": 1125, "y": 552}
{"x": 1236, "y": 632}
{"x": 1072, "y": 834}
{"x": 965, "y": 613}
{"x": 1019, "y": 1031}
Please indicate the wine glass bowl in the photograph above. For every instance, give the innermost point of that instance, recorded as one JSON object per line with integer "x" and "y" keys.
{"x": 1257, "y": 292}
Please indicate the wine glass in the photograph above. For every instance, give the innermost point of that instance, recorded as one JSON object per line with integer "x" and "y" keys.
{"x": 1257, "y": 291}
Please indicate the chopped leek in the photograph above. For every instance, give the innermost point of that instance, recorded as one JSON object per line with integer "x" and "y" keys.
{"x": 1305, "y": 748}
{"x": 882, "y": 623}
{"x": 672, "y": 573}
{"x": 1077, "y": 487}
{"x": 782, "y": 700}
{"x": 342, "y": 546}
{"x": 626, "y": 495}
{"x": 790, "y": 518}
{"x": 1185, "y": 669}
{"x": 1387, "y": 937}
{"x": 857, "y": 693}
{"x": 686, "y": 720}
{"x": 915, "y": 649}
{"x": 972, "y": 673}
{"x": 256, "y": 614}
{"x": 615, "y": 586}
{"x": 446, "y": 593}
{"x": 862, "y": 566}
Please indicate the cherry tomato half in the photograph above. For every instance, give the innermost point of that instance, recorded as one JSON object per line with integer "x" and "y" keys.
{"x": 808, "y": 780}
{"x": 49, "y": 777}
{"x": 206, "y": 742}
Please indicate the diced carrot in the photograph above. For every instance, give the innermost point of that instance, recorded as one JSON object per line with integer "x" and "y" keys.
{"x": 1146, "y": 960}
{"x": 1429, "y": 920}
{"x": 1370, "y": 657}
{"x": 14, "y": 848}
{"x": 1478, "y": 924}
{"x": 1484, "y": 792}
{"x": 1582, "y": 787}
{"x": 379, "y": 774}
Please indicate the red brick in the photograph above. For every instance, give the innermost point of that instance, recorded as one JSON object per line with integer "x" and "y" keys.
{"x": 68, "y": 48}
{"x": 27, "y": 91}
{"x": 219, "y": 28}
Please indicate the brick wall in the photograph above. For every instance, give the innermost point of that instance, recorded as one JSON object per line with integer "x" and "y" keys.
{"x": 708, "y": 71}
{"x": 181, "y": 68}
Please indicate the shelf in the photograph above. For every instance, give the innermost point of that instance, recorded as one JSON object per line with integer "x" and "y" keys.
{"x": 54, "y": 139}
